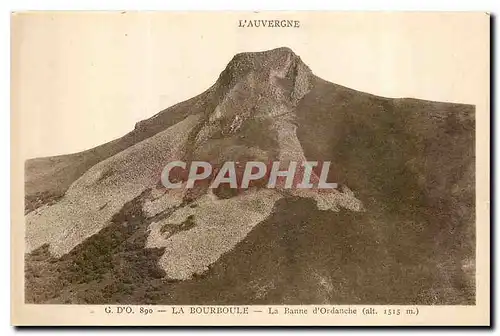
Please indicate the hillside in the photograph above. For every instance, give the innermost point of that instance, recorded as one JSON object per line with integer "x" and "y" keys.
{"x": 100, "y": 228}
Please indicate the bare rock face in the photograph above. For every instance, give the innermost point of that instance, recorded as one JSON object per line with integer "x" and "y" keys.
{"x": 259, "y": 90}
{"x": 91, "y": 201}
{"x": 405, "y": 196}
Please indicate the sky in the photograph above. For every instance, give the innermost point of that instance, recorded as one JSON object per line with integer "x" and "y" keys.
{"x": 83, "y": 79}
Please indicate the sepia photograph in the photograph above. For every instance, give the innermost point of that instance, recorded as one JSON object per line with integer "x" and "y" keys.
{"x": 313, "y": 162}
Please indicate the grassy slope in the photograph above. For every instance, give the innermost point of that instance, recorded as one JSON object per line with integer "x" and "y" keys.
{"x": 412, "y": 164}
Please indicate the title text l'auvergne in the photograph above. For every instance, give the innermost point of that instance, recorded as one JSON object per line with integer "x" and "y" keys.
{"x": 268, "y": 24}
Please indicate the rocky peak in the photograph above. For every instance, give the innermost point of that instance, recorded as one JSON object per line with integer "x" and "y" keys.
{"x": 256, "y": 88}
{"x": 277, "y": 73}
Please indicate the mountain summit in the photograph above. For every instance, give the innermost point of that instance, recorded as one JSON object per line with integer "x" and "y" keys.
{"x": 280, "y": 71}
{"x": 405, "y": 169}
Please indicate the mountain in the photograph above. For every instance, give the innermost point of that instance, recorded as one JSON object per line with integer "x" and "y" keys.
{"x": 400, "y": 229}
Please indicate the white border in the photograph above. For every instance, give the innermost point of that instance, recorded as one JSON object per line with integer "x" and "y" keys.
{"x": 356, "y": 5}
